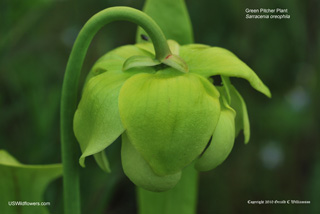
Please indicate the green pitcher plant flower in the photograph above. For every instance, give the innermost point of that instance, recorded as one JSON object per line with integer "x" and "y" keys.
{"x": 160, "y": 98}
{"x": 169, "y": 114}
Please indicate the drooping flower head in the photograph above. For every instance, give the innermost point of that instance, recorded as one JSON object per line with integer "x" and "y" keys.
{"x": 169, "y": 115}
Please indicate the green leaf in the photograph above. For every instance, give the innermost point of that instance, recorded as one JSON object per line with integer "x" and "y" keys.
{"x": 219, "y": 61}
{"x": 140, "y": 173}
{"x": 21, "y": 182}
{"x": 172, "y": 17}
{"x": 222, "y": 140}
{"x": 169, "y": 117}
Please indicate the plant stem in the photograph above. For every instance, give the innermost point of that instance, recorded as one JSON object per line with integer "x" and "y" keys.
{"x": 181, "y": 199}
{"x": 69, "y": 97}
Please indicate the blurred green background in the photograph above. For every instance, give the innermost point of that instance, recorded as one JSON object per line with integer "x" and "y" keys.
{"x": 282, "y": 160}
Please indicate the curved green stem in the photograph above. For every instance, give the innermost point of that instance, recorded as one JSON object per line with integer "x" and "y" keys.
{"x": 70, "y": 148}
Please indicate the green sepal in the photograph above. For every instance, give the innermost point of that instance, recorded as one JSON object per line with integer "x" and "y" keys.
{"x": 124, "y": 52}
{"x": 97, "y": 121}
{"x": 148, "y": 47}
{"x": 222, "y": 140}
{"x": 102, "y": 161}
{"x": 219, "y": 61}
{"x": 238, "y": 104}
{"x": 173, "y": 60}
{"x": 169, "y": 117}
{"x": 225, "y": 89}
{"x": 174, "y": 46}
{"x": 20, "y": 182}
{"x": 176, "y": 62}
{"x": 140, "y": 173}
{"x": 242, "y": 118}
{"x": 139, "y": 61}
{"x": 115, "y": 59}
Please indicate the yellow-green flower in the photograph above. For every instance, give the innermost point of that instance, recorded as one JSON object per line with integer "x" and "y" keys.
{"x": 168, "y": 115}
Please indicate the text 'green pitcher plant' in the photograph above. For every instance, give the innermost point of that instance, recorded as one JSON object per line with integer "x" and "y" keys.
{"x": 161, "y": 99}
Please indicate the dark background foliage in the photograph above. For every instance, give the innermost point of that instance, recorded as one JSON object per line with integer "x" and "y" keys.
{"x": 282, "y": 160}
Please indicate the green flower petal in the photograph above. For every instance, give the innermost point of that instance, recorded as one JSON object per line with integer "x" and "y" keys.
{"x": 225, "y": 89}
{"x": 169, "y": 117}
{"x": 97, "y": 121}
{"x": 219, "y": 61}
{"x": 140, "y": 173}
{"x": 242, "y": 118}
{"x": 102, "y": 161}
{"x": 238, "y": 104}
{"x": 222, "y": 140}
